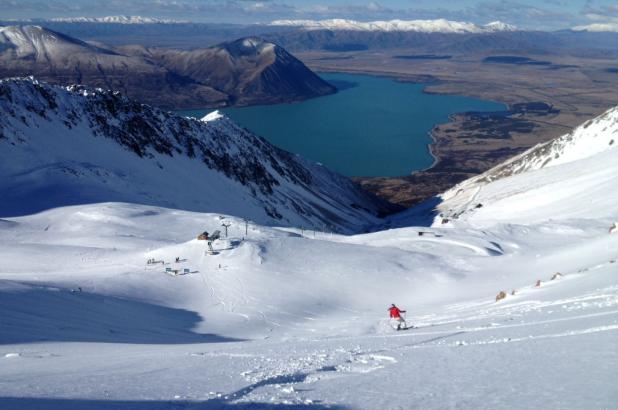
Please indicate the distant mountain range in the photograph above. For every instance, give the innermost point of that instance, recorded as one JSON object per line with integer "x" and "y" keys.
{"x": 430, "y": 25}
{"x": 75, "y": 145}
{"x": 421, "y": 26}
{"x": 421, "y": 36}
{"x": 452, "y": 42}
{"x": 242, "y": 72}
{"x": 117, "y": 20}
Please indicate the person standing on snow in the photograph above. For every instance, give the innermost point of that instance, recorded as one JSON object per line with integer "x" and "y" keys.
{"x": 395, "y": 314}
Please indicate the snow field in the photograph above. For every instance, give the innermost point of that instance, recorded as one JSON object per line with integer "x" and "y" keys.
{"x": 285, "y": 319}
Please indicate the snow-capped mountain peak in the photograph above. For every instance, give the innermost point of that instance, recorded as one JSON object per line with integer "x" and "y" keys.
{"x": 43, "y": 43}
{"x": 426, "y": 26}
{"x": 499, "y": 26}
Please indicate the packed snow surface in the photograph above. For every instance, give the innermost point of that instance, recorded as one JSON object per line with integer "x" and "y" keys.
{"x": 280, "y": 318}
{"x": 425, "y": 26}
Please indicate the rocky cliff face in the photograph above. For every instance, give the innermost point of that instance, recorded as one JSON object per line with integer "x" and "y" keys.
{"x": 248, "y": 71}
{"x": 76, "y": 145}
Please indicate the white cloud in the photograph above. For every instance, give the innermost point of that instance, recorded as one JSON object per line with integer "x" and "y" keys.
{"x": 601, "y": 19}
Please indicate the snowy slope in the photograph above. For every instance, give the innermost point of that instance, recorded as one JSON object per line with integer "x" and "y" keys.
{"x": 573, "y": 176}
{"x": 283, "y": 318}
{"x": 424, "y": 26}
{"x": 39, "y": 44}
{"x": 69, "y": 146}
{"x": 278, "y": 319}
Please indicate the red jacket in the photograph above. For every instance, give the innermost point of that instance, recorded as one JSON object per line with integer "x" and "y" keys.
{"x": 395, "y": 312}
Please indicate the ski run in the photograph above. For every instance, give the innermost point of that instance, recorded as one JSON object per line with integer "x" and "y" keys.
{"x": 287, "y": 318}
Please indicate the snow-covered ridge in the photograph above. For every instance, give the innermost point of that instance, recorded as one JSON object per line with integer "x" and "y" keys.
{"x": 41, "y": 42}
{"x": 88, "y": 145}
{"x": 117, "y": 20}
{"x": 425, "y": 26}
{"x": 590, "y": 138}
{"x": 571, "y": 176}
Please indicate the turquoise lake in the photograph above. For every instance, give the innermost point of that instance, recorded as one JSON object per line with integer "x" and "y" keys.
{"x": 374, "y": 126}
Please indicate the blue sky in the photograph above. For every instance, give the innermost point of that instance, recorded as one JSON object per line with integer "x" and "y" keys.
{"x": 545, "y": 15}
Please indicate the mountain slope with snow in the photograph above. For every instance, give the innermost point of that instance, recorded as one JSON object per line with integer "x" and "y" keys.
{"x": 284, "y": 318}
{"x": 281, "y": 319}
{"x": 36, "y": 43}
{"x": 78, "y": 145}
{"x": 572, "y": 176}
{"x": 59, "y": 59}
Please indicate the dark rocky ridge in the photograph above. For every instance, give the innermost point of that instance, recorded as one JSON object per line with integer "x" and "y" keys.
{"x": 209, "y": 166}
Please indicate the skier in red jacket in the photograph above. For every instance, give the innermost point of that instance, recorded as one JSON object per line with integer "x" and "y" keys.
{"x": 395, "y": 314}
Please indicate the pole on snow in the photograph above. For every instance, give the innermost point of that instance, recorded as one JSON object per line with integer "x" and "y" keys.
{"x": 225, "y": 225}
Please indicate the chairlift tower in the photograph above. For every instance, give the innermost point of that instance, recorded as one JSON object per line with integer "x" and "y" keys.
{"x": 226, "y": 225}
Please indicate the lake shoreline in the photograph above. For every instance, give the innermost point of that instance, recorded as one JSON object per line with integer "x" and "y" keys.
{"x": 376, "y": 125}
{"x": 448, "y": 166}
{"x": 427, "y": 81}
{"x": 467, "y": 145}
{"x": 578, "y": 93}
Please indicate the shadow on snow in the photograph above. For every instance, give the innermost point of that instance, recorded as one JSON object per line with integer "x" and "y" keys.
{"x": 14, "y": 403}
{"x": 422, "y": 215}
{"x": 39, "y": 313}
